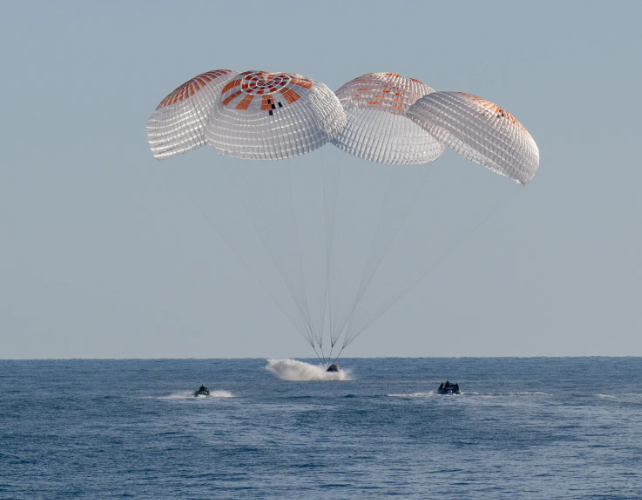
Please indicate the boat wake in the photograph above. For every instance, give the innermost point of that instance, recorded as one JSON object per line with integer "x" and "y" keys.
{"x": 298, "y": 371}
{"x": 413, "y": 395}
{"x": 190, "y": 395}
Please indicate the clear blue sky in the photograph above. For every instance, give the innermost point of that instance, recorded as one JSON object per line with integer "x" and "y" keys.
{"x": 101, "y": 257}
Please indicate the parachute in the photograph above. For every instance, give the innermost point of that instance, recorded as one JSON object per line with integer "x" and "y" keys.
{"x": 377, "y": 128}
{"x": 334, "y": 238}
{"x": 178, "y": 124}
{"x": 272, "y": 116}
{"x": 479, "y": 130}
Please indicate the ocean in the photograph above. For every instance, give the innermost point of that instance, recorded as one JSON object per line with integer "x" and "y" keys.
{"x": 523, "y": 428}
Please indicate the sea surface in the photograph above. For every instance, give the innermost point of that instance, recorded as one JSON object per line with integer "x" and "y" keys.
{"x": 523, "y": 428}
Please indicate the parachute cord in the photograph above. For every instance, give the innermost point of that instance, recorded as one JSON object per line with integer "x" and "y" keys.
{"x": 315, "y": 352}
{"x": 350, "y": 337}
{"x": 329, "y": 237}
{"x": 330, "y": 355}
{"x": 247, "y": 267}
{"x": 298, "y": 241}
{"x": 322, "y": 355}
{"x": 337, "y": 358}
{"x": 350, "y": 334}
{"x": 321, "y": 349}
{"x": 302, "y": 310}
{"x": 367, "y": 275}
{"x": 324, "y": 308}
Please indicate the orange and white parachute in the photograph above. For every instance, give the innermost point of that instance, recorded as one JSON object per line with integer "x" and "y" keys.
{"x": 178, "y": 124}
{"x": 254, "y": 115}
{"x": 377, "y": 128}
{"x": 479, "y": 130}
{"x": 271, "y": 116}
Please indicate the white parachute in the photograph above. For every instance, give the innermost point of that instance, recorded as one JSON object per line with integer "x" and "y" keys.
{"x": 178, "y": 124}
{"x": 377, "y": 128}
{"x": 479, "y": 130}
{"x": 337, "y": 238}
{"x": 272, "y": 116}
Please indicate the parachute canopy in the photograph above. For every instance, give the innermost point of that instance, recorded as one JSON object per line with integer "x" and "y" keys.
{"x": 479, "y": 130}
{"x": 178, "y": 124}
{"x": 377, "y": 128}
{"x": 272, "y": 116}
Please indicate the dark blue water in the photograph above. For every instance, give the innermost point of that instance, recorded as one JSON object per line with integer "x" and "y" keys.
{"x": 524, "y": 428}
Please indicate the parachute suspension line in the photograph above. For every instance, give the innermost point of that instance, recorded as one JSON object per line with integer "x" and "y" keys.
{"x": 322, "y": 360}
{"x": 331, "y": 174}
{"x": 300, "y": 298}
{"x": 318, "y": 337}
{"x": 343, "y": 328}
{"x": 337, "y": 357}
{"x": 404, "y": 186}
{"x": 319, "y": 357}
{"x": 317, "y": 354}
{"x": 352, "y": 330}
{"x": 245, "y": 264}
{"x": 265, "y": 239}
{"x": 494, "y": 210}
{"x": 335, "y": 342}
{"x": 461, "y": 181}
{"x": 330, "y": 354}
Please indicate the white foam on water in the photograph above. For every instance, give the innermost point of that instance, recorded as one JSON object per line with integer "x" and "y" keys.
{"x": 190, "y": 395}
{"x": 298, "y": 371}
{"x": 179, "y": 395}
{"x": 604, "y": 396}
{"x": 504, "y": 395}
{"x": 414, "y": 395}
{"x": 220, "y": 394}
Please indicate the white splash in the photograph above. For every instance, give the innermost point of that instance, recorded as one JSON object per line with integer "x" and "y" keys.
{"x": 298, "y": 371}
{"x": 604, "y": 396}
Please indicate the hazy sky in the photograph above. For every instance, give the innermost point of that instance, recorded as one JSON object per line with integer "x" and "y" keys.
{"x": 101, "y": 256}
